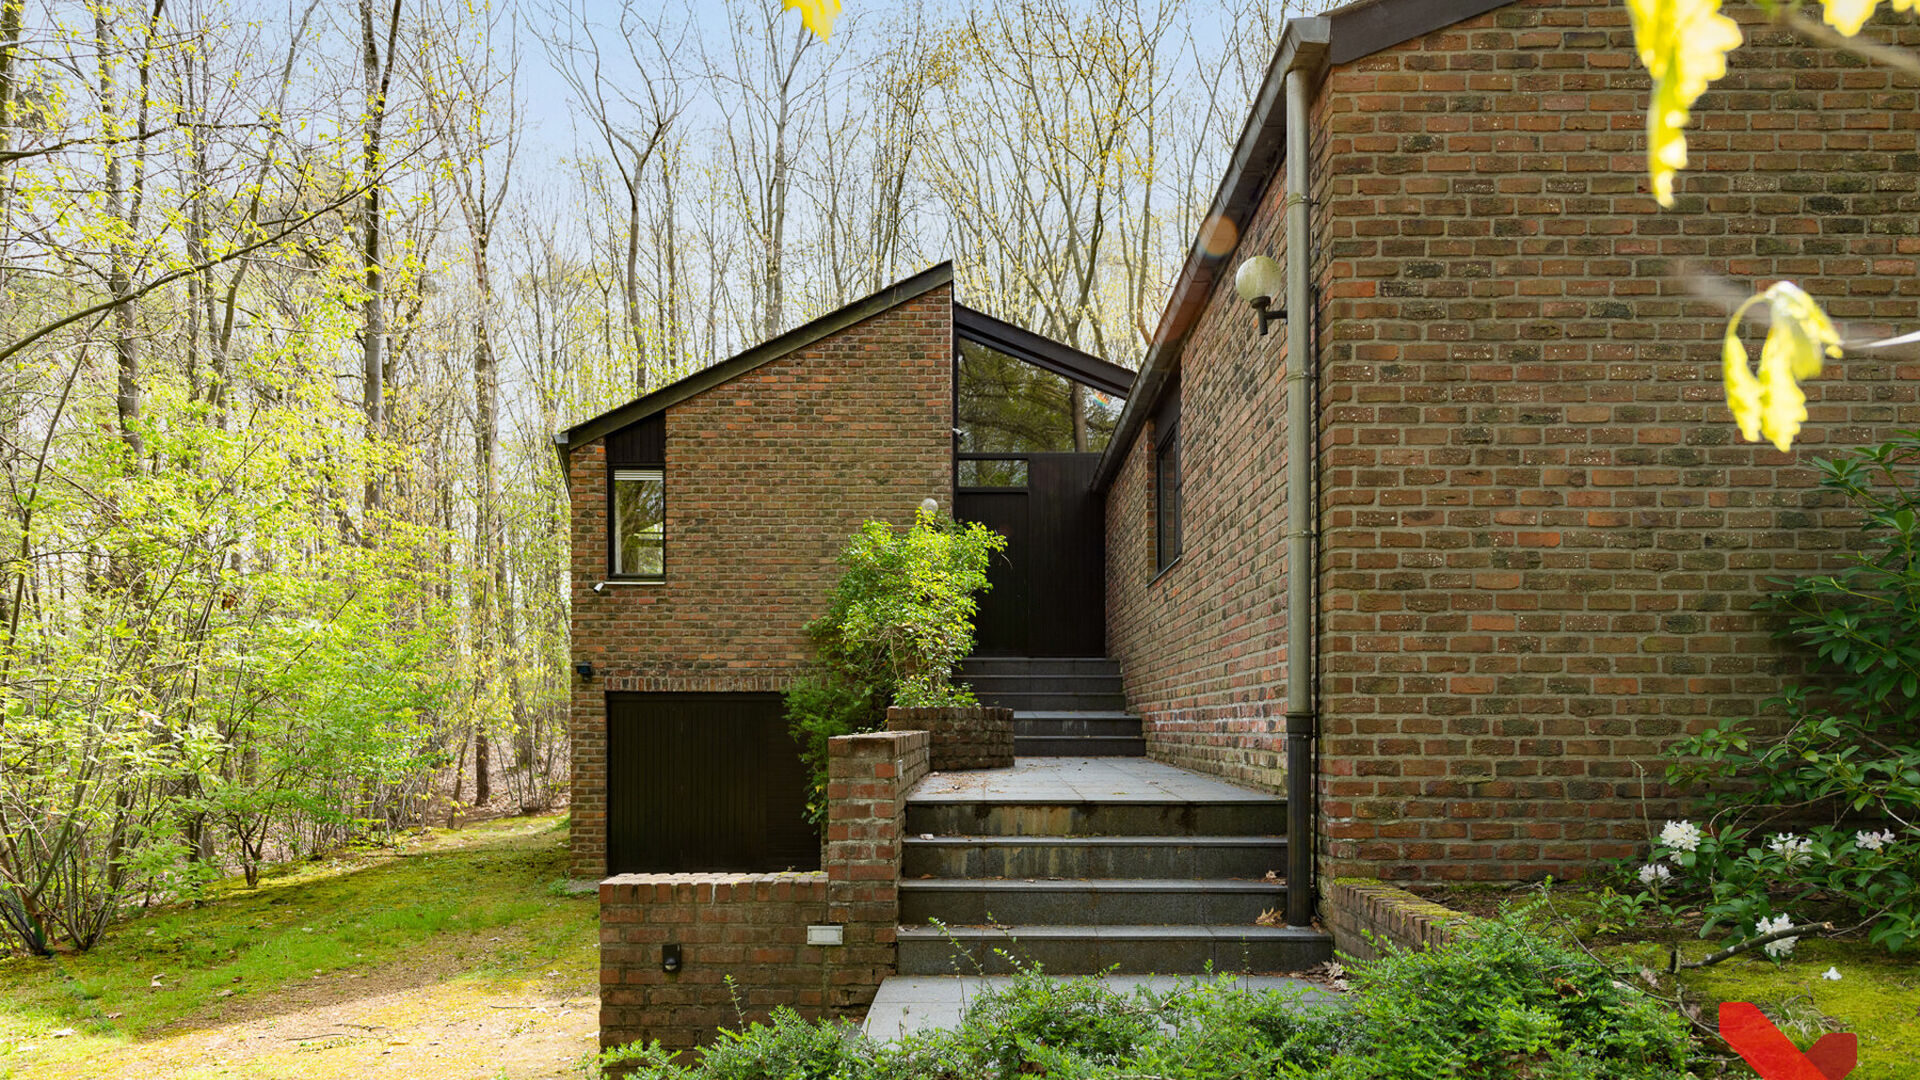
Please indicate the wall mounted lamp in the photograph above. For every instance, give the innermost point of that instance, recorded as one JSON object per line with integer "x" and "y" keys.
{"x": 1260, "y": 281}
{"x": 584, "y": 670}
{"x": 670, "y": 958}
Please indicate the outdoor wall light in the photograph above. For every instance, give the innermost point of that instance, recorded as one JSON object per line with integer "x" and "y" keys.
{"x": 670, "y": 957}
{"x": 584, "y": 669}
{"x": 1259, "y": 282}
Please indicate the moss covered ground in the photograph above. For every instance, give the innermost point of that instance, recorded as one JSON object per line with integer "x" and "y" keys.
{"x": 457, "y": 954}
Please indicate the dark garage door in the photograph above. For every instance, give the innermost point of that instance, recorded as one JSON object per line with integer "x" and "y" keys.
{"x": 704, "y": 782}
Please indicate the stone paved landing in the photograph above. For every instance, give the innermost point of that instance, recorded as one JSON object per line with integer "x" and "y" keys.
{"x": 1071, "y": 779}
{"x": 909, "y": 1003}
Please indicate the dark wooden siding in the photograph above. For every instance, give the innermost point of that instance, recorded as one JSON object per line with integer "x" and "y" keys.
{"x": 1049, "y": 592}
{"x": 641, "y": 443}
{"x": 700, "y": 782}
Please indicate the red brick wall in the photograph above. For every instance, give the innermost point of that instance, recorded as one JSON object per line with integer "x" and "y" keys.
{"x": 1543, "y": 537}
{"x": 1202, "y": 645}
{"x": 767, "y": 475}
{"x": 753, "y": 927}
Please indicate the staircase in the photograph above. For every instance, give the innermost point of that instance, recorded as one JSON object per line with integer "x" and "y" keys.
{"x": 1088, "y": 866}
{"x": 1062, "y": 706}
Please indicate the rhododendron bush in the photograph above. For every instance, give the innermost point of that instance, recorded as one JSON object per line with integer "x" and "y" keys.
{"x": 1819, "y": 812}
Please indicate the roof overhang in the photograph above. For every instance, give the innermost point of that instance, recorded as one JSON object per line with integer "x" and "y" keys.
{"x": 1313, "y": 44}
{"x": 1041, "y": 352}
{"x": 765, "y": 353}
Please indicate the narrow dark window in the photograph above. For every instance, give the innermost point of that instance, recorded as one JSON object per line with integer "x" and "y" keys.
{"x": 1166, "y": 495}
{"x": 639, "y": 523}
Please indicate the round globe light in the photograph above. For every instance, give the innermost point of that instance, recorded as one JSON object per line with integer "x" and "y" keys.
{"x": 1259, "y": 281}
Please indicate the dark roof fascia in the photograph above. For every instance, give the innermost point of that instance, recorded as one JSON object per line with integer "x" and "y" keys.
{"x": 765, "y": 353}
{"x": 1255, "y": 162}
{"x": 1370, "y": 26}
{"x": 1041, "y": 352}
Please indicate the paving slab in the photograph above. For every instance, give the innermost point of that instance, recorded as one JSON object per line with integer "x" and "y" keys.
{"x": 1080, "y": 779}
{"x": 909, "y": 1003}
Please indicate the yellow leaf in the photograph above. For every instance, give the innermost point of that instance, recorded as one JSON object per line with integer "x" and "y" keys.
{"x": 817, "y": 15}
{"x": 1848, "y": 16}
{"x": 1684, "y": 45}
{"x": 1743, "y": 390}
{"x": 1799, "y": 338}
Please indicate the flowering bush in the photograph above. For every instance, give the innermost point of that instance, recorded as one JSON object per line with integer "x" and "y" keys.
{"x": 1823, "y": 809}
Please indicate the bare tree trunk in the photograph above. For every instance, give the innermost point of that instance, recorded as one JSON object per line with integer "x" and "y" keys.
{"x": 378, "y": 78}
{"x": 11, "y": 13}
{"x": 126, "y": 345}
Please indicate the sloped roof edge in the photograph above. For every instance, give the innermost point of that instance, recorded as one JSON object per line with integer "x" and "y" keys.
{"x": 764, "y": 353}
{"x": 1316, "y": 43}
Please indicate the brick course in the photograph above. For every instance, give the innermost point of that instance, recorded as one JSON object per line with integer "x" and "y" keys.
{"x": 1541, "y": 538}
{"x": 1366, "y": 916}
{"x": 766, "y": 477}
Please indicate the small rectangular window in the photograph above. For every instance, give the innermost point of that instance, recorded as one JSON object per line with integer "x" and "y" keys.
{"x": 1166, "y": 495}
{"x": 639, "y": 523}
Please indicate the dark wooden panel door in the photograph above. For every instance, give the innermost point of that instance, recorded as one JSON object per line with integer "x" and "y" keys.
{"x": 1049, "y": 586}
{"x": 1067, "y": 556}
{"x": 1001, "y": 624}
{"x": 701, "y": 782}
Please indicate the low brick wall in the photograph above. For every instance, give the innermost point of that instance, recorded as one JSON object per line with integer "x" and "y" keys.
{"x": 753, "y": 927}
{"x": 1363, "y": 914}
{"x": 975, "y": 737}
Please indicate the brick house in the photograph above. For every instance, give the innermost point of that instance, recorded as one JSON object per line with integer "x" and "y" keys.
{"x": 707, "y": 518}
{"x": 1528, "y": 538}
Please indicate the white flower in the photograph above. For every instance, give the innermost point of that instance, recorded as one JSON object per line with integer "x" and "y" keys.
{"x": 1797, "y": 850}
{"x": 1832, "y": 974}
{"x": 1774, "y": 925}
{"x": 1681, "y": 836}
{"x": 1873, "y": 841}
{"x": 1654, "y": 874}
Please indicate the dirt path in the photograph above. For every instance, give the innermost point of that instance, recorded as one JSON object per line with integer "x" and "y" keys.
{"x": 455, "y": 1030}
{"x": 458, "y": 957}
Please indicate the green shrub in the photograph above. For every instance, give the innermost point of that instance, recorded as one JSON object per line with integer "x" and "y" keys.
{"x": 1820, "y": 809}
{"x": 898, "y": 623}
{"x": 1505, "y": 1003}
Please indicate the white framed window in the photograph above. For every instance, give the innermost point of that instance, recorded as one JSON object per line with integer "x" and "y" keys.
{"x": 639, "y": 541}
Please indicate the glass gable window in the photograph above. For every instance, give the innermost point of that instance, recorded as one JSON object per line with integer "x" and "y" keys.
{"x": 1010, "y": 406}
{"x": 639, "y": 523}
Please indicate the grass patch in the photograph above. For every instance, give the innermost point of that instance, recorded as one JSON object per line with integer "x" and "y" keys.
{"x": 475, "y": 906}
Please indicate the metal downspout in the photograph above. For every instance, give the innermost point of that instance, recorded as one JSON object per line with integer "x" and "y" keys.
{"x": 1302, "y": 719}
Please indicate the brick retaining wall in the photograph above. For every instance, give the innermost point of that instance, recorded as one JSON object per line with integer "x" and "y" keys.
{"x": 1363, "y": 914}
{"x": 753, "y": 927}
{"x": 979, "y": 737}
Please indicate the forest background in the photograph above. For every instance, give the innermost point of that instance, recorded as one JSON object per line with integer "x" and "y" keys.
{"x": 293, "y": 297}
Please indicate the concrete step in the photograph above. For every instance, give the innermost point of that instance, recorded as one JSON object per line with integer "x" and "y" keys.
{"x": 1187, "y": 857}
{"x": 1053, "y": 700}
{"x": 1057, "y": 723}
{"x": 1155, "y": 902}
{"x": 1131, "y": 817}
{"x": 989, "y": 685}
{"x": 1079, "y": 745}
{"x": 1127, "y": 950}
{"x": 1039, "y": 665}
